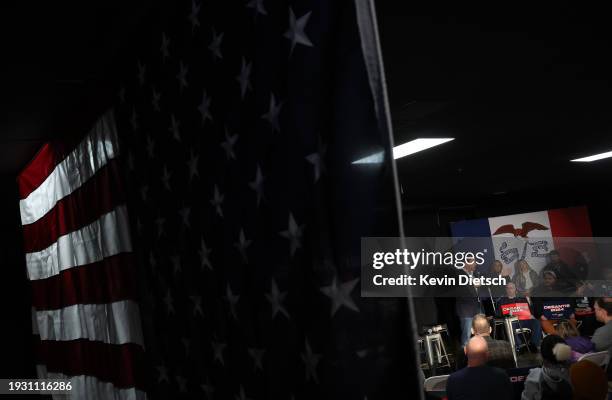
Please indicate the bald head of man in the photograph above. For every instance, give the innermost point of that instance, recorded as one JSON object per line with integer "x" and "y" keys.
{"x": 477, "y": 351}
{"x": 480, "y": 325}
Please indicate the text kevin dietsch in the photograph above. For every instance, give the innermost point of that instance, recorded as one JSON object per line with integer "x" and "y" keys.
{"x": 419, "y": 259}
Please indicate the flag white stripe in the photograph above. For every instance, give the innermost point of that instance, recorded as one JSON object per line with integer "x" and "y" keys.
{"x": 114, "y": 323}
{"x": 107, "y": 236}
{"x": 98, "y": 147}
{"x": 90, "y": 388}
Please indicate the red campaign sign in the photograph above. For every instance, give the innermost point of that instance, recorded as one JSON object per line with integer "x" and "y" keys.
{"x": 520, "y": 310}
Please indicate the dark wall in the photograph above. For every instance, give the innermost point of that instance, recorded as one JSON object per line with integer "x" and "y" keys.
{"x": 434, "y": 219}
{"x": 16, "y": 356}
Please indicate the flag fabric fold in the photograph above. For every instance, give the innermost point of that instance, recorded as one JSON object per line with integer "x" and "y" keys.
{"x": 85, "y": 315}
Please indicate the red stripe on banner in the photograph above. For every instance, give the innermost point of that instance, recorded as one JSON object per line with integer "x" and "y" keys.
{"x": 107, "y": 281}
{"x": 41, "y": 166}
{"x": 122, "y": 365}
{"x": 102, "y": 193}
{"x": 570, "y": 222}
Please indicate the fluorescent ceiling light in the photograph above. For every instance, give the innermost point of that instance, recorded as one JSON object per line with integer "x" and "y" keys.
{"x": 403, "y": 150}
{"x": 594, "y": 157}
{"x": 416, "y": 145}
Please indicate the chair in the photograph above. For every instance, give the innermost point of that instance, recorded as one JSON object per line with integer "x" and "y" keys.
{"x": 601, "y": 358}
{"x": 435, "y": 383}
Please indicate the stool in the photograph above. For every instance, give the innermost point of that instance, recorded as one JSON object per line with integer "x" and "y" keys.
{"x": 509, "y": 331}
{"x": 436, "y": 351}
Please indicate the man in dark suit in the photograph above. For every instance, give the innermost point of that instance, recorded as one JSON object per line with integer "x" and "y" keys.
{"x": 478, "y": 380}
{"x": 467, "y": 303}
{"x": 500, "y": 351}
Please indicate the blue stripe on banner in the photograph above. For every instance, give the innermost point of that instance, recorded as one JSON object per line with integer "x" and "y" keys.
{"x": 479, "y": 231}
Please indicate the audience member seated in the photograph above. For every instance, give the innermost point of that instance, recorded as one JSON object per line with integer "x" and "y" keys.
{"x": 500, "y": 351}
{"x": 478, "y": 380}
{"x": 551, "y": 381}
{"x": 589, "y": 381}
{"x": 525, "y": 321}
{"x": 525, "y": 278}
{"x": 548, "y": 292}
{"x": 566, "y": 278}
{"x": 579, "y": 344}
{"x": 602, "y": 338}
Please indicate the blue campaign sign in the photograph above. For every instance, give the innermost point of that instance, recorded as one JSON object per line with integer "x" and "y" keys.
{"x": 555, "y": 309}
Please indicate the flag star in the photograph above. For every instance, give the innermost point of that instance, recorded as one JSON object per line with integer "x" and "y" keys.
{"x": 218, "y": 352}
{"x": 182, "y": 383}
{"x": 311, "y": 360}
{"x": 276, "y": 298}
{"x": 160, "y": 226}
{"x": 243, "y": 77}
{"x": 150, "y": 147}
{"x": 186, "y": 345}
{"x": 215, "y": 45}
{"x": 317, "y": 160}
{"x": 130, "y": 160}
{"x": 164, "y": 47}
{"x": 204, "y": 108}
{"x": 169, "y": 302}
{"x": 182, "y": 76}
{"x": 228, "y": 145}
{"x": 232, "y": 299}
{"x": 144, "y": 189}
{"x": 152, "y": 261}
{"x": 185, "y": 213}
{"x": 294, "y": 234}
{"x": 193, "y": 17}
{"x": 273, "y": 114}
{"x": 141, "y": 73}
{"x": 122, "y": 94}
{"x": 217, "y": 201}
{"x": 257, "y": 185}
{"x": 139, "y": 226}
{"x": 174, "y": 128}
{"x": 134, "y": 119}
{"x": 241, "y": 395}
{"x": 207, "y": 388}
{"x": 166, "y": 178}
{"x": 242, "y": 244}
{"x": 176, "y": 264}
{"x": 362, "y": 353}
{"x": 204, "y": 255}
{"x": 155, "y": 100}
{"x": 197, "y": 305}
{"x": 193, "y": 166}
{"x": 341, "y": 295}
{"x": 258, "y": 6}
{"x": 296, "y": 33}
{"x": 257, "y": 355}
{"x": 162, "y": 374}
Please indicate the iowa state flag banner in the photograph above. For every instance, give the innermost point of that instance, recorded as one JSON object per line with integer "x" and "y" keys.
{"x": 528, "y": 236}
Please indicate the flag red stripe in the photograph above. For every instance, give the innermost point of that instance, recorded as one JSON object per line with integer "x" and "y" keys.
{"x": 41, "y": 166}
{"x": 100, "y": 194}
{"x": 109, "y": 280}
{"x": 122, "y": 365}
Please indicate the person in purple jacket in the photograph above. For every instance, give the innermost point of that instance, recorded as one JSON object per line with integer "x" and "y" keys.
{"x": 579, "y": 344}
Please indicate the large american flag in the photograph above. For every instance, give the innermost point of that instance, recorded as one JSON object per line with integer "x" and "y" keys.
{"x": 239, "y": 122}
{"x": 79, "y": 260}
